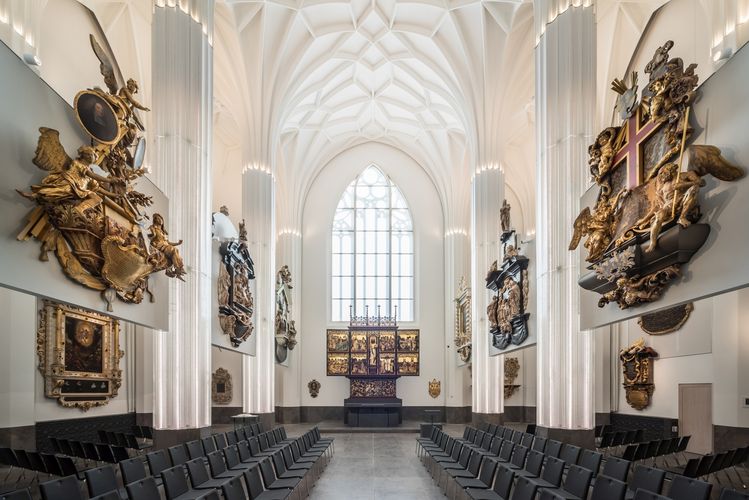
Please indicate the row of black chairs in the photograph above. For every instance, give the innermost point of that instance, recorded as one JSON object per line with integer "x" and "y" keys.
{"x": 616, "y": 439}
{"x": 278, "y": 472}
{"x": 123, "y": 439}
{"x": 464, "y": 469}
{"x": 143, "y": 432}
{"x": 709, "y": 465}
{"x": 658, "y": 448}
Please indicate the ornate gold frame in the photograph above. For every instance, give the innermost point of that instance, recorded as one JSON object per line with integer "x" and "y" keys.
{"x": 68, "y": 386}
{"x": 218, "y": 377}
{"x": 463, "y": 321}
{"x": 512, "y": 368}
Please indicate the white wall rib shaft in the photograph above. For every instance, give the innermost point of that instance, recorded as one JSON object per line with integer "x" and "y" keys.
{"x": 565, "y": 112}
{"x": 486, "y": 199}
{"x": 457, "y": 265}
{"x": 181, "y": 156}
{"x": 289, "y": 385}
{"x": 258, "y": 210}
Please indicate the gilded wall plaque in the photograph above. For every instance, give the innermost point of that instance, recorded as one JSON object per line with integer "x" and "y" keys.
{"x": 235, "y": 302}
{"x": 87, "y": 210}
{"x": 463, "y": 328}
{"x": 435, "y": 388}
{"x": 314, "y": 388}
{"x": 637, "y": 367}
{"x": 512, "y": 368}
{"x": 285, "y": 326}
{"x": 666, "y": 320}
{"x": 372, "y": 388}
{"x": 79, "y": 355}
{"x": 648, "y": 207}
{"x": 221, "y": 388}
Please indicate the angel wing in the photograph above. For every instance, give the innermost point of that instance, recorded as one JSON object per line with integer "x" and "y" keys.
{"x": 705, "y": 159}
{"x": 580, "y": 227}
{"x": 50, "y": 155}
{"x": 106, "y": 68}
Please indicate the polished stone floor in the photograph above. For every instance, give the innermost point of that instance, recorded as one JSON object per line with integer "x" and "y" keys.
{"x": 375, "y": 467}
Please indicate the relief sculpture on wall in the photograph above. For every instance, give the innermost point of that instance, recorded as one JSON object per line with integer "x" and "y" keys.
{"x": 646, "y": 222}
{"x": 235, "y": 301}
{"x": 637, "y": 366}
{"x": 285, "y": 325}
{"x": 79, "y": 355}
{"x": 88, "y": 211}
{"x": 463, "y": 326}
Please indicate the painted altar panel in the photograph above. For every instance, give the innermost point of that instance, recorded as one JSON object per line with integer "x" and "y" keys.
{"x": 28, "y": 103}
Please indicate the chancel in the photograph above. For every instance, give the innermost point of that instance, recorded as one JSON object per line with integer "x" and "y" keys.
{"x": 486, "y": 249}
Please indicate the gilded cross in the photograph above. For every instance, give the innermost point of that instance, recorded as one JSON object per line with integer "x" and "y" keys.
{"x": 634, "y": 134}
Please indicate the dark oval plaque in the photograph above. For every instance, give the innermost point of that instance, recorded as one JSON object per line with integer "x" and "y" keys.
{"x": 666, "y": 320}
{"x": 97, "y": 117}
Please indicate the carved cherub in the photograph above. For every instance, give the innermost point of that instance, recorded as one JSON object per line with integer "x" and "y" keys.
{"x": 602, "y": 153}
{"x": 598, "y": 226}
{"x": 635, "y": 290}
{"x": 157, "y": 234}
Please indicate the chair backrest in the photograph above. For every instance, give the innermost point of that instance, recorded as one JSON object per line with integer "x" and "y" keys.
{"x": 465, "y": 455}
{"x": 36, "y": 461}
{"x": 132, "y": 470}
{"x": 690, "y": 470}
{"x": 220, "y": 441}
{"x": 530, "y": 429}
{"x": 76, "y": 447}
{"x": 231, "y": 455}
{"x": 488, "y": 467}
{"x": 590, "y": 460}
{"x": 145, "y": 489}
{"x": 629, "y": 437}
{"x": 553, "y": 447}
{"x": 67, "y": 488}
{"x": 478, "y": 437}
{"x": 105, "y": 453}
{"x": 262, "y": 440}
{"x": 717, "y": 462}
{"x": 253, "y": 481}
{"x": 684, "y": 443}
{"x": 553, "y": 471}
{"x": 197, "y": 471}
{"x": 67, "y": 466}
{"x": 519, "y": 455}
{"x": 607, "y": 488}
{"x": 486, "y": 443}
{"x": 526, "y": 440}
{"x": 22, "y": 458}
{"x": 110, "y": 495}
{"x": 483, "y": 426}
{"x": 209, "y": 445}
{"x": 704, "y": 466}
{"x": 653, "y": 449}
{"x": 456, "y": 451}
{"x": 233, "y": 490}
{"x": 517, "y": 436}
{"x": 539, "y": 444}
{"x": 65, "y": 447}
{"x": 524, "y": 490}
{"x": 101, "y": 480}
{"x": 506, "y": 452}
{"x": 245, "y": 455}
{"x": 577, "y": 481}
{"x": 535, "y": 462}
{"x": 119, "y": 453}
{"x": 157, "y": 462}
{"x": 618, "y": 439}
{"x": 473, "y": 464}
{"x": 90, "y": 450}
{"x": 495, "y": 447}
{"x": 178, "y": 454}
{"x": 684, "y": 488}
{"x": 175, "y": 483}
{"x": 727, "y": 494}
{"x": 503, "y": 482}
{"x": 630, "y": 452}
{"x": 52, "y": 465}
{"x": 648, "y": 495}
{"x": 569, "y": 454}
{"x": 491, "y": 429}
{"x": 663, "y": 447}
{"x": 606, "y": 439}
{"x": 7, "y": 457}
{"x": 647, "y": 478}
{"x": 16, "y": 495}
{"x": 132, "y": 441}
{"x": 466, "y": 432}
{"x": 266, "y": 470}
{"x": 216, "y": 462}
{"x": 194, "y": 449}
{"x": 255, "y": 447}
{"x": 137, "y": 431}
{"x": 616, "y": 468}
{"x": 231, "y": 437}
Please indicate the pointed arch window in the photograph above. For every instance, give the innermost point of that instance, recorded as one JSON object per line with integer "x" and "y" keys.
{"x": 373, "y": 249}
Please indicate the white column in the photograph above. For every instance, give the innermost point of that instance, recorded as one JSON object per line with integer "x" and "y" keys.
{"x": 258, "y": 211}
{"x": 565, "y": 113}
{"x": 486, "y": 198}
{"x": 457, "y": 265}
{"x": 182, "y": 116}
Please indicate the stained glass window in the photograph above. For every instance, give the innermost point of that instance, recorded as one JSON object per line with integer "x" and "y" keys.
{"x": 373, "y": 250}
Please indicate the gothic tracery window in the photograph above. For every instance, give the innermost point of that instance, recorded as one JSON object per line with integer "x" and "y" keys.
{"x": 372, "y": 250}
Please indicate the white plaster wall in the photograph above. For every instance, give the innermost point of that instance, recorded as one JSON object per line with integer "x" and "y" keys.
{"x": 710, "y": 348}
{"x": 427, "y": 213}
{"x": 230, "y": 361}
{"x": 526, "y": 393}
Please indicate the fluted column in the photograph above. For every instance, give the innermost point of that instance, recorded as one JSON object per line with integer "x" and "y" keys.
{"x": 565, "y": 113}
{"x": 457, "y": 266}
{"x": 486, "y": 198}
{"x": 258, "y": 210}
{"x": 289, "y": 386}
{"x": 181, "y": 158}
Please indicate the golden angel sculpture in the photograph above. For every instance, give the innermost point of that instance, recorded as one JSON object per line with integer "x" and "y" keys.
{"x": 88, "y": 211}
{"x": 648, "y": 205}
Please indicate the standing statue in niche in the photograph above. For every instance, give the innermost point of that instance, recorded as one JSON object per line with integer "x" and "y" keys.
{"x": 285, "y": 326}
{"x": 504, "y": 217}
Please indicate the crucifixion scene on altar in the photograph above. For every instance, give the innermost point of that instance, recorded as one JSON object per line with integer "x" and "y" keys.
{"x": 374, "y": 249}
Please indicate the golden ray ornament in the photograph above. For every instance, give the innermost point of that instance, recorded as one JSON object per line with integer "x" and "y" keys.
{"x": 645, "y": 223}
{"x": 88, "y": 211}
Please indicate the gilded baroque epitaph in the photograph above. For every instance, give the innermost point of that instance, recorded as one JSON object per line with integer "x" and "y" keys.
{"x": 645, "y": 224}
{"x": 284, "y": 324}
{"x": 236, "y": 305}
{"x": 88, "y": 211}
{"x": 637, "y": 367}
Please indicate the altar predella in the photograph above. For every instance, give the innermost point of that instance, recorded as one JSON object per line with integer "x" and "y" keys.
{"x": 88, "y": 211}
{"x": 645, "y": 224}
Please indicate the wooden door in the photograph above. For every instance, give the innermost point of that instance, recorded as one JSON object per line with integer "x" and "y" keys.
{"x": 696, "y": 416}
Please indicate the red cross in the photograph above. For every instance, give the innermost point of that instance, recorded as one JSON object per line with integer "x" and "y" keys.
{"x": 636, "y": 133}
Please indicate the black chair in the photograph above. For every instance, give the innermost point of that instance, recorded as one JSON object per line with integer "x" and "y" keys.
{"x": 231, "y": 457}
{"x": 530, "y": 429}
{"x": 590, "y": 460}
{"x": 648, "y": 495}
{"x": 104, "y": 452}
{"x": 233, "y": 490}
{"x": 484, "y": 479}
{"x": 683, "y": 444}
{"x": 119, "y": 453}
{"x": 539, "y": 444}
{"x": 158, "y": 462}
{"x": 645, "y": 478}
{"x": 533, "y": 466}
{"x": 178, "y": 454}
{"x": 524, "y": 490}
{"x": 726, "y": 494}
{"x": 684, "y": 488}
{"x": 68, "y": 466}
{"x": 218, "y": 467}
{"x": 57, "y": 489}
{"x": 145, "y": 489}
{"x": 133, "y": 470}
{"x": 200, "y": 478}
{"x": 553, "y": 448}
{"x": 16, "y": 495}
{"x": 209, "y": 445}
{"x": 220, "y": 441}
{"x": 255, "y": 487}
{"x": 133, "y": 444}
{"x": 616, "y": 468}
{"x": 147, "y": 431}
{"x": 606, "y": 440}
{"x": 195, "y": 450}
{"x": 245, "y": 454}
{"x": 52, "y": 465}
{"x": 231, "y": 437}
{"x": 103, "y": 480}
{"x": 500, "y": 491}
{"x": 526, "y": 440}
{"x": 630, "y": 436}
{"x": 576, "y": 484}
{"x": 569, "y": 454}
{"x": 175, "y": 485}
{"x": 607, "y": 488}
{"x": 551, "y": 477}
{"x": 271, "y": 481}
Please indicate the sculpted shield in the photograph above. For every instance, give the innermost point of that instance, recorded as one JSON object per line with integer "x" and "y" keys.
{"x": 435, "y": 388}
